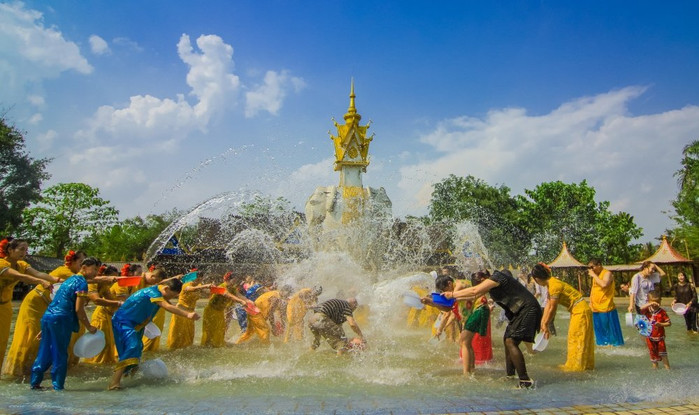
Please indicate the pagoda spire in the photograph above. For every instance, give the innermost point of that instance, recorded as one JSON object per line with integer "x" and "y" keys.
{"x": 352, "y": 110}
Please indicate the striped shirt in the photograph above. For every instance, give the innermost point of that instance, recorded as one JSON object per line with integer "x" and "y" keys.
{"x": 337, "y": 310}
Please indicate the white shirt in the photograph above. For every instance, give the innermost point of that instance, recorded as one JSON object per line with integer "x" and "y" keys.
{"x": 640, "y": 287}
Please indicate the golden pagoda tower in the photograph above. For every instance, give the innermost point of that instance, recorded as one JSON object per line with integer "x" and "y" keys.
{"x": 330, "y": 208}
{"x": 351, "y": 160}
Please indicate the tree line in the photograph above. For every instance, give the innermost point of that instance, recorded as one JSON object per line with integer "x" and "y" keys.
{"x": 515, "y": 228}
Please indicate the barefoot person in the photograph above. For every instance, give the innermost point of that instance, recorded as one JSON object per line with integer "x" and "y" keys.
{"x": 659, "y": 320}
{"x": 25, "y": 340}
{"x": 327, "y": 322}
{"x": 604, "y": 315}
{"x": 130, "y": 319}
{"x": 522, "y": 311}
{"x": 14, "y": 269}
{"x": 61, "y": 319}
{"x": 581, "y": 343}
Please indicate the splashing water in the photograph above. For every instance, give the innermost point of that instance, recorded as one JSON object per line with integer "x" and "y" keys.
{"x": 400, "y": 371}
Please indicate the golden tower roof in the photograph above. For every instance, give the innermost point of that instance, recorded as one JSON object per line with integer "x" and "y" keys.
{"x": 351, "y": 142}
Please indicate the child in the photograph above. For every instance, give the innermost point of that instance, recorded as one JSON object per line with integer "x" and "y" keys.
{"x": 659, "y": 320}
{"x": 62, "y": 317}
{"x": 128, "y": 323}
{"x": 477, "y": 322}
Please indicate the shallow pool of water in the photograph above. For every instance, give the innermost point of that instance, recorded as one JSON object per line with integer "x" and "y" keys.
{"x": 401, "y": 372}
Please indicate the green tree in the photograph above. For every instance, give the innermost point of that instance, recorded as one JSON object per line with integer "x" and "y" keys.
{"x": 128, "y": 240}
{"x": 67, "y": 215}
{"x": 492, "y": 209}
{"x": 20, "y": 177}
{"x": 686, "y": 204}
{"x": 555, "y": 211}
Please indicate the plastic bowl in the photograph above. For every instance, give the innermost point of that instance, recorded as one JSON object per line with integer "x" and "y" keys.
{"x": 679, "y": 309}
{"x": 129, "y": 281}
{"x": 189, "y": 277}
{"x": 629, "y": 319}
{"x": 412, "y": 300}
{"x": 151, "y": 331}
{"x": 54, "y": 289}
{"x": 217, "y": 290}
{"x": 252, "y": 309}
{"x": 89, "y": 345}
{"x": 154, "y": 368}
{"x": 440, "y": 299}
{"x": 540, "y": 342}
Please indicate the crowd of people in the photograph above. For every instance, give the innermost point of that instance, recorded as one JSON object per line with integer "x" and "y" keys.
{"x": 529, "y": 304}
{"x": 52, "y": 316}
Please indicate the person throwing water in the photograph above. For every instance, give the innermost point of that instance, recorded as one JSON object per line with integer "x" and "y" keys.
{"x": 327, "y": 322}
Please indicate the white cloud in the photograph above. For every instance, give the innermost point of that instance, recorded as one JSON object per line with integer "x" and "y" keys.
{"x": 210, "y": 74}
{"x": 46, "y": 139}
{"x": 127, "y": 44}
{"x": 36, "y": 100}
{"x": 158, "y": 124}
{"x": 31, "y": 53}
{"x": 269, "y": 96}
{"x": 36, "y": 118}
{"x": 35, "y": 51}
{"x": 98, "y": 45}
{"x": 630, "y": 160}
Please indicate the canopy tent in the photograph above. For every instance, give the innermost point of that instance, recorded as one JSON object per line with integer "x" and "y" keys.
{"x": 566, "y": 260}
{"x": 666, "y": 254}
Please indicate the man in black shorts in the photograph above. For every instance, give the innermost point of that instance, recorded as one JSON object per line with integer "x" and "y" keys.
{"x": 327, "y": 322}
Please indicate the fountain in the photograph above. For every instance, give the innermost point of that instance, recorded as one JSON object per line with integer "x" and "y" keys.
{"x": 349, "y": 243}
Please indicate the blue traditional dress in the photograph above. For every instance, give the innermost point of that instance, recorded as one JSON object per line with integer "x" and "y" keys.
{"x": 128, "y": 323}
{"x": 58, "y": 323}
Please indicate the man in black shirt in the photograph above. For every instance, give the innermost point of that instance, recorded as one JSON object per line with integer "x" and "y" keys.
{"x": 327, "y": 322}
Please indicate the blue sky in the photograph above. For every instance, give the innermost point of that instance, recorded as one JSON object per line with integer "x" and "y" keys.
{"x": 162, "y": 104}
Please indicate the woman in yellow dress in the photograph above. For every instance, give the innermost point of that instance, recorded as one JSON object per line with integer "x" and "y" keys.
{"x": 581, "y": 339}
{"x": 214, "y": 318}
{"x": 25, "y": 344}
{"x": 296, "y": 310}
{"x": 154, "y": 276}
{"x": 101, "y": 294}
{"x": 270, "y": 305}
{"x": 14, "y": 269}
{"x": 181, "y": 332}
{"x": 128, "y": 270}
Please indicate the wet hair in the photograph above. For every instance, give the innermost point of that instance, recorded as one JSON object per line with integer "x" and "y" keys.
{"x": 442, "y": 282}
{"x": 73, "y": 256}
{"x": 655, "y": 296}
{"x": 90, "y": 261}
{"x": 129, "y": 269}
{"x": 478, "y": 277}
{"x": 108, "y": 270}
{"x": 541, "y": 271}
{"x": 158, "y": 272}
{"x": 174, "y": 284}
{"x": 9, "y": 243}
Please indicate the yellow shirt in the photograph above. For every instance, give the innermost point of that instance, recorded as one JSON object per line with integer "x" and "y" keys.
{"x": 566, "y": 295}
{"x": 7, "y": 283}
{"x": 189, "y": 299}
{"x": 264, "y": 302}
{"x": 602, "y": 299}
{"x": 219, "y": 301}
